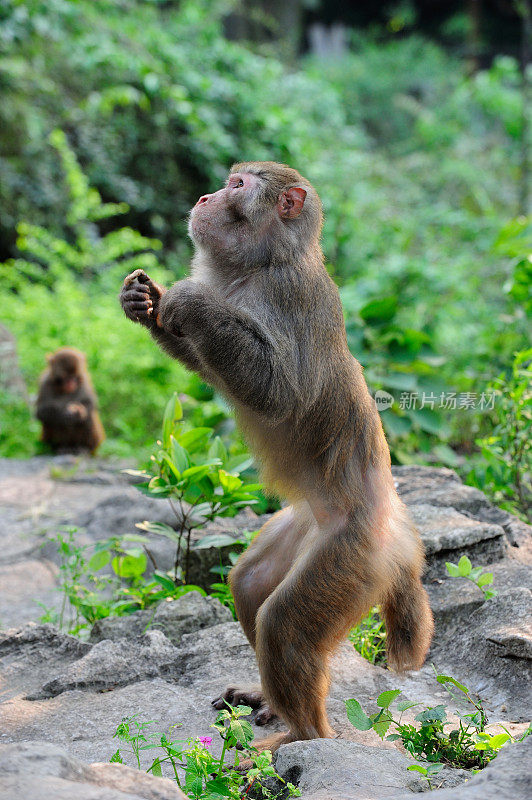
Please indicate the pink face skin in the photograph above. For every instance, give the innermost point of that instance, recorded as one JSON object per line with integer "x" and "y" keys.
{"x": 214, "y": 218}
{"x": 217, "y": 220}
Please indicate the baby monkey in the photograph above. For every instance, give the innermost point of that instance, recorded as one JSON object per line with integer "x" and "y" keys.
{"x": 67, "y": 405}
{"x": 260, "y": 319}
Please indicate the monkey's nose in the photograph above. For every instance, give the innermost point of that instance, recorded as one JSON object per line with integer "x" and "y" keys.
{"x": 203, "y": 199}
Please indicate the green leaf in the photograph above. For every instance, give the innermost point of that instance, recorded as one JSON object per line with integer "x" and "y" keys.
{"x": 381, "y": 310}
{"x": 357, "y": 717}
{"x": 229, "y": 483}
{"x": 404, "y": 705}
{"x": 241, "y": 730}
{"x": 417, "y": 768}
{"x": 385, "y": 699}
{"x": 196, "y": 472}
{"x": 159, "y": 528}
{"x": 215, "y": 540}
{"x": 172, "y": 414}
{"x": 217, "y": 450}
{"x": 464, "y": 566}
{"x": 195, "y": 439}
{"x": 452, "y": 569}
{"x": 382, "y": 722}
{"x": 99, "y": 560}
{"x": 218, "y": 787}
{"x": 164, "y": 580}
{"x": 179, "y": 455}
{"x": 485, "y": 579}
{"x": 448, "y": 679}
{"x": 436, "y": 714}
{"x": 497, "y": 741}
{"x": 155, "y": 768}
{"x": 129, "y": 566}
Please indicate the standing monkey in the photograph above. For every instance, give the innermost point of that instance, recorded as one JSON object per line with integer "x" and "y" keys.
{"x": 66, "y": 404}
{"x": 261, "y": 320}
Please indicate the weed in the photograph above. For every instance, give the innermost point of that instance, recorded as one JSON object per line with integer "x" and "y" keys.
{"x": 194, "y": 472}
{"x": 467, "y": 746}
{"x": 196, "y": 770}
{"x": 88, "y": 594}
{"x": 369, "y": 637}
{"x": 464, "y": 569}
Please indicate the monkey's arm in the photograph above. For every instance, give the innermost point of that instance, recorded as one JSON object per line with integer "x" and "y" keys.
{"x": 232, "y": 346}
{"x": 52, "y": 412}
{"x": 140, "y": 298}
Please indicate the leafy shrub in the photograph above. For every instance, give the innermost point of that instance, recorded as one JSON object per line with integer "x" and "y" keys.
{"x": 369, "y": 638}
{"x": 467, "y": 746}
{"x": 197, "y": 772}
{"x": 465, "y": 569}
{"x": 505, "y": 467}
{"x": 198, "y": 479}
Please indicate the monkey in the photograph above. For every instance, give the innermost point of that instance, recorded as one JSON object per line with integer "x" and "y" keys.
{"x": 260, "y": 319}
{"x": 67, "y": 404}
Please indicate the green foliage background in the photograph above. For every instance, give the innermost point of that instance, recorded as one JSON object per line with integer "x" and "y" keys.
{"x": 417, "y": 163}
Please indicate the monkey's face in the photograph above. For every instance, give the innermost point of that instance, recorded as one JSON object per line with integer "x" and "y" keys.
{"x": 246, "y": 221}
{"x": 222, "y": 220}
{"x": 65, "y": 367}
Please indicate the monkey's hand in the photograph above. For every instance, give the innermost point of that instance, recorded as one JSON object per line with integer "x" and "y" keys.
{"x": 140, "y": 298}
{"x": 78, "y": 411}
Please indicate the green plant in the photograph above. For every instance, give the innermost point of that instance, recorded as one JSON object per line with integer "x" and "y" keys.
{"x": 194, "y": 472}
{"x": 469, "y": 745}
{"x": 464, "y": 569}
{"x": 369, "y": 637}
{"x": 88, "y": 594}
{"x": 505, "y": 469}
{"x": 197, "y": 772}
{"x": 428, "y": 772}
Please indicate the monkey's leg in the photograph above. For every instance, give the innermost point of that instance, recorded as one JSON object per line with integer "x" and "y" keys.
{"x": 330, "y": 586}
{"x": 409, "y": 623}
{"x": 258, "y": 571}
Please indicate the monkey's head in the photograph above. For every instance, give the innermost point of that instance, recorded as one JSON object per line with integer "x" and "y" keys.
{"x": 265, "y": 211}
{"x": 67, "y": 368}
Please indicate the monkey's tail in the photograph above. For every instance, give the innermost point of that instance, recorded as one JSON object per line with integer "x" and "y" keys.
{"x": 409, "y": 623}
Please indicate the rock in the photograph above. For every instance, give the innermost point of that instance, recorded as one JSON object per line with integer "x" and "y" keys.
{"x": 490, "y": 652}
{"x": 17, "y": 604}
{"x": 30, "y": 654}
{"x": 437, "y": 487}
{"x": 110, "y": 664}
{"x": 189, "y": 613}
{"x": 217, "y": 657}
{"x": 447, "y": 535}
{"x": 115, "y": 628}
{"x": 42, "y": 771}
{"x": 84, "y": 722}
{"x": 508, "y": 777}
{"x": 332, "y": 769}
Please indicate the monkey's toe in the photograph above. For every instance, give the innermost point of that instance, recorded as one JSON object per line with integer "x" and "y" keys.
{"x": 239, "y": 697}
{"x": 264, "y": 715}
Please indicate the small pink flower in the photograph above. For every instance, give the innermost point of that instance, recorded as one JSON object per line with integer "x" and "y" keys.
{"x": 206, "y": 741}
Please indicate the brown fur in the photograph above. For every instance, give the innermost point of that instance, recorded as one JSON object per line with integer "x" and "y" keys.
{"x": 67, "y": 404}
{"x": 261, "y": 319}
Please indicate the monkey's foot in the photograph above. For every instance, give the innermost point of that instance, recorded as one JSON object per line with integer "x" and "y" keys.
{"x": 248, "y": 696}
{"x": 271, "y": 743}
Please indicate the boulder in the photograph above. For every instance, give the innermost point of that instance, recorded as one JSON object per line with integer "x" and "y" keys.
{"x": 42, "y": 771}
{"x": 110, "y": 664}
{"x": 191, "y": 612}
{"x": 506, "y": 778}
{"x": 448, "y": 534}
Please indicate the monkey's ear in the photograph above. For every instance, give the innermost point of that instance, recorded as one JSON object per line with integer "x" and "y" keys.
{"x": 290, "y": 203}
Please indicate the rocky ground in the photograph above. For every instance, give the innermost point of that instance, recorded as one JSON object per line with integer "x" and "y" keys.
{"x": 61, "y": 698}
